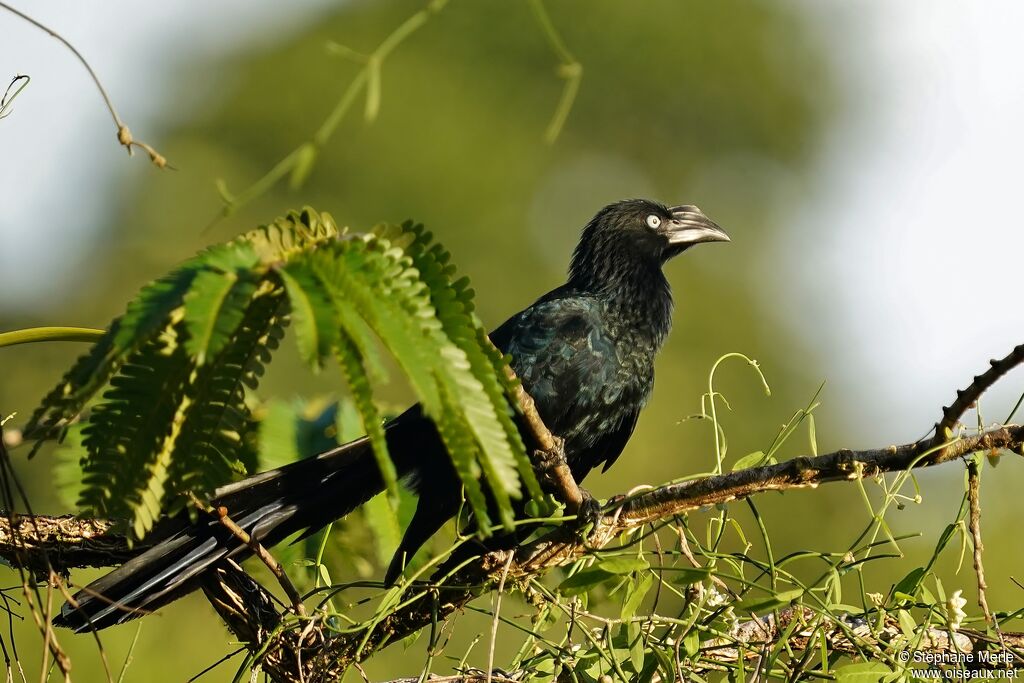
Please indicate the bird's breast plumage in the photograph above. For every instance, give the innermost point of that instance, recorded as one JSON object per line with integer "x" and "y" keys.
{"x": 589, "y": 370}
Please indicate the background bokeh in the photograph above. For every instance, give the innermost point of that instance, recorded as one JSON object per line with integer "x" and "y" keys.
{"x": 863, "y": 158}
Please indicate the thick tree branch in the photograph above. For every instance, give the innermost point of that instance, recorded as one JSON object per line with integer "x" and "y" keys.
{"x": 67, "y": 541}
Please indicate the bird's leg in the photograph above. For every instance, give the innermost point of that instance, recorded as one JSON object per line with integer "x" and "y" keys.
{"x": 554, "y": 474}
{"x": 590, "y": 511}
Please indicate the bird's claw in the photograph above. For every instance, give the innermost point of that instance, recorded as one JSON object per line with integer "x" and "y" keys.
{"x": 550, "y": 458}
{"x": 590, "y": 510}
{"x": 549, "y": 464}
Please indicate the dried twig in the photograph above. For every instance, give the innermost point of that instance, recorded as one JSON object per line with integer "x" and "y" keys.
{"x": 259, "y": 551}
{"x": 5, "y": 102}
{"x": 497, "y": 617}
{"x": 124, "y": 136}
{"x": 974, "y": 525}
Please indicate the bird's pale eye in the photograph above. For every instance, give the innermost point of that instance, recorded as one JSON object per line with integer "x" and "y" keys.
{"x": 653, "y": 221}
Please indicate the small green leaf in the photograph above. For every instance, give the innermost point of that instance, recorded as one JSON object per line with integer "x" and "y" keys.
{"x": 944, "y": 538}
{"x": 312, "y": 314}
{"x": 864, "y": 672}
{"x": 348, "y": 425}
{"x": 691, "y": 642}
{"x": 908, "y": 585}
{"x": 636, "y": 645}
{"x": 750, "y": 460}
{"x": 278, "y": 435}
{"x": 907, "y": 623}
{"x": 214, "y": 306}
{"x": 622, "y": 565}
{"x": 688, "y": 575}
{"x": 67, "y": 467}
{"x": 766, "y": 603}
{"x": 583, "y": 581}
{"x": 665, "y": 663}
{"x": 843, "y": 608}
{"x": 636, "y": 592}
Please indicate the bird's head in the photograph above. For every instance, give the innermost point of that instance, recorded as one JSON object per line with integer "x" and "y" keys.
{"x": 641, "y": 234}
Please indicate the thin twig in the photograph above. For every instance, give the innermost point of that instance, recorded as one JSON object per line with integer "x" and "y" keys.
{"x": 124, "y": 136}
{"x": 497, "y": 615}
{"x": 299, "y": 162}
{"x": 56, "y": 580}
{"x": 974, "y": 499}
{"x": 569, "y": 69}
{"x": 5, "y": 103}
{"x": 9, "y": 477}
{"x": 259, "y": 551}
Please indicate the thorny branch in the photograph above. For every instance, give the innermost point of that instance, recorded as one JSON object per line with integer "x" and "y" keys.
{"x": 315, "y": 652}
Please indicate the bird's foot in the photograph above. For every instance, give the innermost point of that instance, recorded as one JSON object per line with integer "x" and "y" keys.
{"x": 549, "y": 464}
{"x": 590, "y": 510}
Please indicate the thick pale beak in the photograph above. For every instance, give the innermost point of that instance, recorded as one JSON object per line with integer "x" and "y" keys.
{"x": 689, "y": 226}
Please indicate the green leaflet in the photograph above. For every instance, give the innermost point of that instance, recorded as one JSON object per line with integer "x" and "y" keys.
{"x": 145, "y": 317}
{"x": 315, "y": 329}
{"x": 290, "y": 236}
{"x": 503, "y": 453}
{"x": 210, "y": 443}
{"x": 863, "y": 672}
{"x": 167, "y": 382}
{"x": 217, "y": 299}
{"x": 148, "y": 313}
{"x": 362, "y": 281}
{"x": 278, "y": 435}
{"x": 351, "y": 361}
{"x": 380, "y": 516}
{"x": 369, "y": 280}
{"x": 584, "y": 581}
{"x": 300, "y": 428}
{"x": 172, "y": 418}
{"x": 67, "y": 469}
{"x": 126, "y": 433}
{"x": 461, "y": 449}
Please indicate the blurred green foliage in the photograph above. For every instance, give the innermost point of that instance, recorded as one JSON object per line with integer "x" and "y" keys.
{"x": 720, "y": 103}
{"x": 678, "y": 102}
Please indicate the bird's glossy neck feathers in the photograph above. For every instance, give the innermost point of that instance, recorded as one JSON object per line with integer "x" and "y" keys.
{"x": 627, "y": 277}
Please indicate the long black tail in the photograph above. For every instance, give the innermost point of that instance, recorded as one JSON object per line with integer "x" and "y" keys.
{"x": 271, "y": 506}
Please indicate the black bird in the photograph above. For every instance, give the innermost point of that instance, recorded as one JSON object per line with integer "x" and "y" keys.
{"x": 584, "y": 352}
